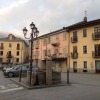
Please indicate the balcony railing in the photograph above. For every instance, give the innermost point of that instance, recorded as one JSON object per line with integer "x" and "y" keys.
{"x": 74, "y": 39}
{"x": 96, "y": 36}
{"x": 58, "y": 56}
{"x": 55, "y": 42}
{"x": 74, "y": 55}
{"x": 1, "y": 48}
{"x": 46, "y": 57}
{"x": 95, "y": 54}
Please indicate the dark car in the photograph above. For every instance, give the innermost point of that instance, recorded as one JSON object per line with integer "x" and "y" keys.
{"x": 14, "y": 71}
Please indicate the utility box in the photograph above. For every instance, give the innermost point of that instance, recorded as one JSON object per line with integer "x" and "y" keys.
{"x": 56, "y": 77}
{"x": 42, "y": 77}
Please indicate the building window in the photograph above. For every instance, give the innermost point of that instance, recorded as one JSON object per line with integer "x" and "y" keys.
{"x": 48, "y": 40}
{"x": 17, "y": 53}
{"x": 74, "y": 49}
{"x": 17, "y": 59}
{"x": 85, "y": 64}
{"x": 49, "y": 52}
{"x": 84, "y": 49}
{"x": 57, "y": 36}
{"x": 44, "y": 53}
{"x": 44, "y": 41}
{"x": 37, "y": 53}
{"x": 64, "y": 36}
{"x": 1, "y": 60}
{"x": 1, "y": 53}
{"x": 97, "y": 29}
{"x": 64, "y": 51}
{"x": 56, "y": 51}
{"x": 37, "y": 42}
{"x": 10, "y": 45}
{"x": 75, "y": 34}
{"x": 18, "y": 46}
{"x": 85, "y": 33}
{"x": 9, "y": 52}
{"x": 2, "y": 46}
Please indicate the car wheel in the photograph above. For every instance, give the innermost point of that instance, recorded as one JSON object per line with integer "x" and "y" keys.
{"x": 10, "y": 74}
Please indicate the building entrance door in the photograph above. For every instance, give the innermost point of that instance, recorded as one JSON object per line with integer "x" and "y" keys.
{"x": 75, "y": 66}
{"x": 97, "y": 66}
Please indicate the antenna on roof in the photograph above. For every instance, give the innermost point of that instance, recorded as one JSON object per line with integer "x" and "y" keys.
{"x": 85, "y": 18}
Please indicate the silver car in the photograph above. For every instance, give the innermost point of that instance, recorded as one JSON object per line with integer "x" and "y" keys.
{"x": 7, "y": 66}
{"x": 15, "y": 71}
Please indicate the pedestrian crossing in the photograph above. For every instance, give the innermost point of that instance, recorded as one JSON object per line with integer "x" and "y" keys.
{"x": 9, "y": 87}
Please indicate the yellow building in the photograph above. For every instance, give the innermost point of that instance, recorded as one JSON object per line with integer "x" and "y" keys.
{"x": 13, "y": 50}
{"x": 85, "y": 46}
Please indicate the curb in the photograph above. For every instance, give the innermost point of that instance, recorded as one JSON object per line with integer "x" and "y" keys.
{"x": 41, "y": 86}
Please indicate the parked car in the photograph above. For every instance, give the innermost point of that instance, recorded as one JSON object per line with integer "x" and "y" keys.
{"x": 7, "y": 66}
{"x": 4, "y": 64}
{"x": 14, "y": 71}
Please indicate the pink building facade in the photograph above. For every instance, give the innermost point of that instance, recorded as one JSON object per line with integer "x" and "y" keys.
{"x": 52, "y": 46}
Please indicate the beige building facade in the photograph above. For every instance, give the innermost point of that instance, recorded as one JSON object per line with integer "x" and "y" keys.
{"x": 85, "y": 47}
{"x": 13, "y": 50}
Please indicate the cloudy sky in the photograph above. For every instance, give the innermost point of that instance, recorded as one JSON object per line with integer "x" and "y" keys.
{"x": 48, "y": 15}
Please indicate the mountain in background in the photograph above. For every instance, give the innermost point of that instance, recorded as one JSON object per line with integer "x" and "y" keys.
{"x": 5, "y": 34}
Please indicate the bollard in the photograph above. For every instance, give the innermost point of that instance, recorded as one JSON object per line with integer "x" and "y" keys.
{"x": 20, "y": 75}
{"x": 67, "y": 76}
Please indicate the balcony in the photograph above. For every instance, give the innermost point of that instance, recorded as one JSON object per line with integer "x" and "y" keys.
{"x": 96, "y": 36}
{"x": 18, "y": 48}
{"x": 95, "y": 54}
{"x": 9, "y": 56}
{"x": 58, "y": 56}
{"x": 46, "y": 57}
{"x": 37, "y": 46}
{"x": 74, "y": 55}
{"x": 55, "y": 42}
{"x": 74, "y": 39}
{"x": 1, "y": 48}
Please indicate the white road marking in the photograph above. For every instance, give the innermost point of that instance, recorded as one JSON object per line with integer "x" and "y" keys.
{"x": 8, "y": 90}
{"x": 2, "y": 87}
{"x": 12, "y": 85}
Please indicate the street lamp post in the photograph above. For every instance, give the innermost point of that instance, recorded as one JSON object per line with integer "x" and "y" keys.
{"x": 34, "y": 33}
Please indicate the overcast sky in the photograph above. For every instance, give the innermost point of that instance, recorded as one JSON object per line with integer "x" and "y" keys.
{"x": 47, "y": 15}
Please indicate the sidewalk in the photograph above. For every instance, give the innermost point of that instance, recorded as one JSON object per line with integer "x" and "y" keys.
{"x": 26, "y": 85}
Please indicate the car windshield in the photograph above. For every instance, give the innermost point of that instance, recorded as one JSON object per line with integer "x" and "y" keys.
{"x": 25, "y": 67}
{"x": 14, "y": 67}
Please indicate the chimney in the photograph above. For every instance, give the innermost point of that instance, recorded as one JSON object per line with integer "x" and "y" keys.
{"x": 85, "y": 18}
